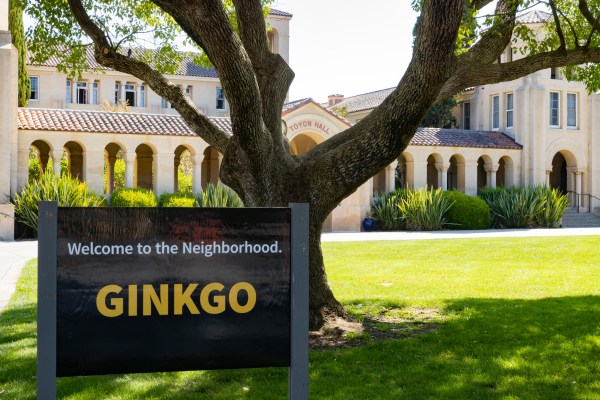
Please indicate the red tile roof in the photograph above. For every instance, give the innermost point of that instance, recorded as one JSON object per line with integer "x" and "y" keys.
{"x": 463, "y": 138}
{"x": 109, "y": 122}
{"x": 41, "y": 119}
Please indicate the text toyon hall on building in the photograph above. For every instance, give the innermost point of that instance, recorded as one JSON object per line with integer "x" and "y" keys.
{"x": 540, "y": 129}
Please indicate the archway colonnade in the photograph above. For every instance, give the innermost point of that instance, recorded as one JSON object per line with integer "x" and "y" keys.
{"x": 147, "y": 162}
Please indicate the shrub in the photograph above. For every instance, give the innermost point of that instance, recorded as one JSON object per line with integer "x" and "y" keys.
{"x": 177, "y": 199}
{"x": 65, "y": 190}
{"x": 424, "y": 210}
{"x": 386, "y": 212}
{"x": 218, "y": 195}
{"x": 133, "y": 197}
{"x": 513, "y": 208}
{"x": 467, "y": 212}
{"x": 555, "y": 205}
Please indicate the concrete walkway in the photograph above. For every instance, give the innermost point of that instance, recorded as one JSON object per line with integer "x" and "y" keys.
{"x": 14, "y": 255}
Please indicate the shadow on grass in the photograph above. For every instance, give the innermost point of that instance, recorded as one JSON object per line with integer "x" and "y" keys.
{"x": 482, "y": 349}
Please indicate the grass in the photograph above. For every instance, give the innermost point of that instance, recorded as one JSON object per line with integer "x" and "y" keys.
{"x": 510, "y": 319}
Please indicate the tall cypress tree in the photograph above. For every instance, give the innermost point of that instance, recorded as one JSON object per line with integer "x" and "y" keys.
{"x": 15, "y": 25}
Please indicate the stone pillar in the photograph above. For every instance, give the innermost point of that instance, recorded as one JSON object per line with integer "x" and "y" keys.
{"x": 442, "y": 175}
{"x": 8, "y": 124}
{"x": 420, "y": 174}
{"x": 129, "y": 159}
{"x": 548, "y": 172}
{"x": 23, "y": 167}
{"x": 163, "y": 173}
{"x": 197, "y": 177}
{"x": 56, "y": 156}
{"x": 491, "y": 174}
{"x": 471, "y": 178}
{"x": 93, "y": 171}
{"x": 390, "y": 177}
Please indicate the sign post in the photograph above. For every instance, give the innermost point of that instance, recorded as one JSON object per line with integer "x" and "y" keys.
{"x": 126, "y": 290}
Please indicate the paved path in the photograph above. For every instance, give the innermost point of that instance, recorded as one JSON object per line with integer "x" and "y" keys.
{"x": 14, "y": 255}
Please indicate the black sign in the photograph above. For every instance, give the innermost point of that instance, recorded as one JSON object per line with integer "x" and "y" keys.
{"x": 165, "y": 289}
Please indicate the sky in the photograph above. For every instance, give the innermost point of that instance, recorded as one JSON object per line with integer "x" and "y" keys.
{"x": 348, "y": 47}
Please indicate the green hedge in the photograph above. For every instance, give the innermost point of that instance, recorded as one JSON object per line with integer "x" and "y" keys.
{"x": 467, "y": 212}
{"x": 386, "y": 212}
{"x": 66, "y": 190}
{"x": 178, "y": 199}
{"x": 133, "y": 197}
{"x": 218, "y": 195}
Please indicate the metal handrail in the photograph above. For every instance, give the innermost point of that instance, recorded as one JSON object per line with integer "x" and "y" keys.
{"x": 579, "y": 196}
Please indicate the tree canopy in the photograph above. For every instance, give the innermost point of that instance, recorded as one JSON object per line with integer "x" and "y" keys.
{"x": 454, "y": 48}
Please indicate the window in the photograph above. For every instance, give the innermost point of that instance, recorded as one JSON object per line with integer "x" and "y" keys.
{"x": 553, "y": 73}
{"x": 82, "y": 93}
{"x": 34, "y": 84}
{"x": 130, "y": 95}
{"x": 495, "y": 112}
{"x": 95, "y": 93}
{"x": 554, "y": 109}
{"x": 117, "y": 92}
{"x": 509, "y": 110}
{"x": 220, "y": 99}
{"x": 68, "y": 96}
{"x": 467, "y": 115}
{"x": 142, "y": 96}
{"x": 571, "y": 110}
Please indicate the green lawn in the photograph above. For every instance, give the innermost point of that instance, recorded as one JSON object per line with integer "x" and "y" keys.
{"x": 500, "y": 319}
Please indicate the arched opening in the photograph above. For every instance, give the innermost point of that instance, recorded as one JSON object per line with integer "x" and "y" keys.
{"x": 73, "y": 153}
{"x": 183, "y": 170}
{"x": 433, "y": 180}
{"x": 505, "y": 174}
{"x": 400, "y": 177}
{"x": 302, "y": 144}
{"x": 456, "y": 173}
{"x": 558, "y": 175}
{"x": 481, "y": 174}
{"x": 114, "y": 168}
{"x": 273, "y": 37}
{"x": 210, "y": 167}
{"x": 39, "y": 155}
{"x": 144, "y": 167}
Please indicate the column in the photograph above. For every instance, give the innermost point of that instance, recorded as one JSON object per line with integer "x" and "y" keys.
{"x": 442, "y": 175}
{"x": 197, "y": 177}
{"x": 548, "y": 172}
{"x": 129, "y": 159}
{"x": 163, "y": 173}
{"x": 470, "y": 168}
{"x": 420, "y": 174}
{"x": 93, "y": 170}
{"x": 56, "y": 157}
{"x": 578, "y": 187}
{"x": 491, "y": 174}
{"x": 390, "y": 177}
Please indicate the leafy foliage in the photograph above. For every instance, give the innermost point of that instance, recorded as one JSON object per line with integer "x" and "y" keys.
{"x": 538, "y": 206}
{"x": 15, "y": 26}
{"x": 218, "y": 195}
{"x": 177, "y": 199}
{"x": 467, "y": 212}
{"x": 425, "y": 209}
{"x": 440, "y": 114}
{"x": 66, "y": 190}
{"x": 133, "y": 197}
{"x": 386, "y": 212}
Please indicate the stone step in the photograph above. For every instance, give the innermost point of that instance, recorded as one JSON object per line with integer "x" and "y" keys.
{"x": 573, "y": 219}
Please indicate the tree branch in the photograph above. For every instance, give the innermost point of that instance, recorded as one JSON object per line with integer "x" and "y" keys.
{"x": 559, "y": 31}
{"x": 108, "y": 56}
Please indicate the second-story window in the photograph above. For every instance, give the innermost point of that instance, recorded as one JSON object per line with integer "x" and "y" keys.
{"x": 467, "y": 115}
{"x": 82, "y": 93}
{"x": 34, "y": 84}
{"x": 509, "y": 110}
{"x": 68, "y": 93}
{"x": 220, "y": 99}
{"x": 571, "y": 110}
{"x": 554, "y": 110}
{"x": 130, "y": 95}
{"x": 117, "y": 92}
{"x": 95, "y": 92}
{"x": 142, "y": 96}
{"x": 496, "y": 112}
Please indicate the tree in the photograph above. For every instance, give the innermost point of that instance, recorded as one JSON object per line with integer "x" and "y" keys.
{"x": 15, "y": 26}
{"x": 257, "y": 163}
{"x": 440, "y": 114}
